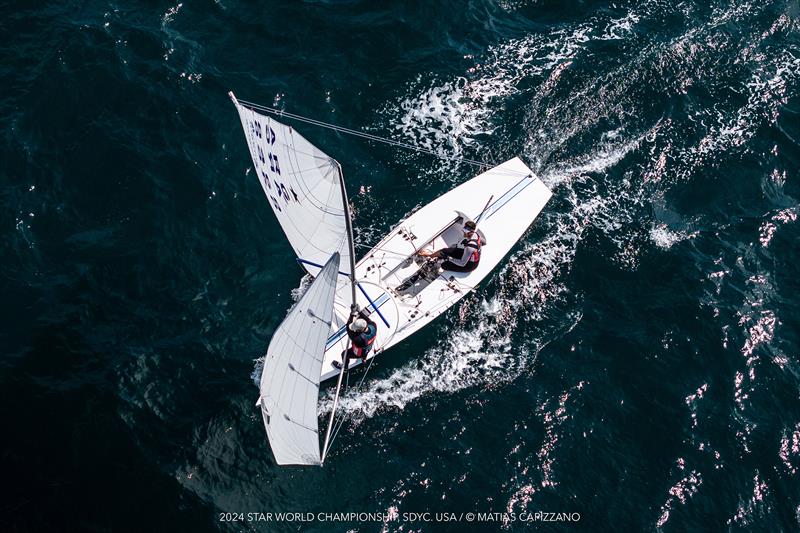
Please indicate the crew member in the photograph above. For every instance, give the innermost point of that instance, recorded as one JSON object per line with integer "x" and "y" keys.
{"x": 465, "y": 256}
{"x": 362, "y": 332}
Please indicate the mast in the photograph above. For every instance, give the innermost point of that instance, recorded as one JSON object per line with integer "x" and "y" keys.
{"x": 349, "y": 226}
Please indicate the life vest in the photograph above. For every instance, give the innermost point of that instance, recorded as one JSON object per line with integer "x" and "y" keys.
{"x": 475, "y": 244}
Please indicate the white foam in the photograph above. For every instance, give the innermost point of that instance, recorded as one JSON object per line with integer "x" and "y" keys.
{"x": 605, "y": 156}
{"x": 665, "y": 238}
{"x": 747, "y": 507}
{"x": 442, "y": 118}
{"x": 170, "y": 13}
{"x": 450, "y": 117}
{"x": 768, "y": 228}
{"x": 767, "y": 90}
{"x": 680, "y": 492}
{"x": 621, "y": 27}
{"x": 479, "y": 355}
{"x": 790, "y": 449}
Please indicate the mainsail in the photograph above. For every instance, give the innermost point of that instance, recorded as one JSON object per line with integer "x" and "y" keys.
{"x": 304, "y": 188}
{"x": 290, "y": 380}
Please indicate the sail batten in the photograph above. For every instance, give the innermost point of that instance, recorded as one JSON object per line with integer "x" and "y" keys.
{"x": 302, "y": 185}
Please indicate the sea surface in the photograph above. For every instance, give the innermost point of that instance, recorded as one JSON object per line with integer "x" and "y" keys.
{"x": 635, "y": 361}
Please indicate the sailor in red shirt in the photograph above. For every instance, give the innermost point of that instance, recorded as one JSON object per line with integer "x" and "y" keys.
{"x": 463, "y": 257}
{"x": 362, "y": 332}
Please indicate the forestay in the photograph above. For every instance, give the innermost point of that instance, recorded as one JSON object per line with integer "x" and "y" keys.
{"x": 303, "y": 185}
{"x": 290, "y": 380}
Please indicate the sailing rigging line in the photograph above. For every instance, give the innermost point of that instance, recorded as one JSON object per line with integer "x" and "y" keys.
{"x": 350, "y": 241}
{"x": 363, "y": 135}
{"x": 342, "y": 419}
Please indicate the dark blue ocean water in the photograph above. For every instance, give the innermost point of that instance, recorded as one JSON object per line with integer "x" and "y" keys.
{"x": 636, "y": 360}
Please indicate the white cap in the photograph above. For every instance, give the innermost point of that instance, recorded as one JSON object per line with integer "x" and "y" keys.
{"x": 358, "y": 325}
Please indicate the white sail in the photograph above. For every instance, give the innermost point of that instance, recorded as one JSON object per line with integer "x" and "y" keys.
{"x": 303, "y": 186}
{"x": 290, "y": 379}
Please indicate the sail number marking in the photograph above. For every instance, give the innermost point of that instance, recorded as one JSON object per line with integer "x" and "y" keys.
{"x": 287, "y": 194}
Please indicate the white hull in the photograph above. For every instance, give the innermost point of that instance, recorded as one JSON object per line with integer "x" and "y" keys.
{"x": 517, "y": 199}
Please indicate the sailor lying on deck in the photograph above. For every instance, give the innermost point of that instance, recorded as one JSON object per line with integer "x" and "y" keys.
{"x": 465, "y": 256}
{"x": 362, "y": 332}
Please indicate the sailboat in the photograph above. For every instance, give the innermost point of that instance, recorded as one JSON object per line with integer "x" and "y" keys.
{"x": 393, "y": 284}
